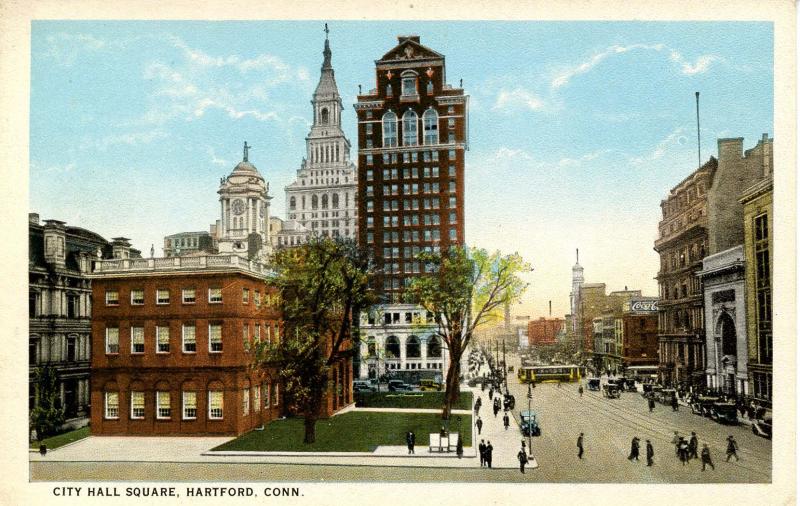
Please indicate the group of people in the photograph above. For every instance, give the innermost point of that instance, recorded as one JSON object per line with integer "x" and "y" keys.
{"x": 485, "y": 450}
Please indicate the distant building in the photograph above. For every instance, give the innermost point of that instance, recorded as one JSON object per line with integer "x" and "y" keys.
{"x": 288, "y": 234}
{"x": 545, "y": 331}
{"x": 188, "y": 243}
{"x": 592, "y": 303}
{"x": 640, "y": 332}
{"x": 60, "y": 260}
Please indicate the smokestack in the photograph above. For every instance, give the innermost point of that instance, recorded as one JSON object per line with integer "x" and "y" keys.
{"x": 697, "y": 100}
{"x": 550, "y": 303}
{"x": 576, "y": 256}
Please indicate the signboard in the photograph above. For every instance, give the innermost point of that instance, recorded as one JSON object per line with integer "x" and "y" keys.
{"x": 644, "y": 306}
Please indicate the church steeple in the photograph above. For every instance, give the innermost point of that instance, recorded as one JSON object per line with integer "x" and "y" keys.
{"x": 326, "y": 53}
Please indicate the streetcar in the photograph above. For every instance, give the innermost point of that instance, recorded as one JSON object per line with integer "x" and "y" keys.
{"x": 549, "y": 373}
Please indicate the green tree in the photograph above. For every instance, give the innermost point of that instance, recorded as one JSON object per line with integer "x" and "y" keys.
{"x": 466, "y": 289}
{"x": 48, "y": 416}
{"x": 323, "y": 285}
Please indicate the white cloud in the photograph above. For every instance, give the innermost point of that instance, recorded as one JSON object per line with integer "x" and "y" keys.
{"x": 130, "y": 139}
{"x": 661, "y": 148}
{"x": 700, "y": 65}
{"x": 576, "y": 162}
{"x": 517, "y": 97}
{"x": 222, "y": 162}
{"x": 64, "y": 48}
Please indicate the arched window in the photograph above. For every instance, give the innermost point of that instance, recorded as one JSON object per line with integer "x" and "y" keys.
{"x": 430, "y": 88}
{"x": 292, "y": 203}
{"x": 324, "y": 201}
{"x": 335, "y": 201}
{"x": 303, "y": 201}
{"x": 389, "y": 130}
{"x": 389, "y": 90}
{"x": 410, "y": 137}
{"x": 323, "y": 116}
{"x": 412, "y": 347}
{"x": 314, "y": 202}
{"x": 409, "y": 84}
{"x": 727, "y": 331}
{"x": 430, "y": 122}
{"x": 434, "y": 347}
{"x": 392, "y": 347}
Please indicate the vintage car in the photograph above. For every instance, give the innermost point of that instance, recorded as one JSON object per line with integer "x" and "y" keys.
{"x": 666, "y": 395}
{"x": 399, "y": 386}
{"x": 429, "y": 385}
{"x": 528, "y": 424}
{"x": 724, "y": 412}
{"x": 630, "y": 385}
{"x": 763, "y": 427}
{"x": 363, "y": 386}
{"x": 611, "y": 391}
{"x": 593, "y": 384}
{"x": 702, "y": 405}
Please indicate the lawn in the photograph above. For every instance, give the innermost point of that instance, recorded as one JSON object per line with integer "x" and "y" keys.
{"x": 410, "y": 400}
{"x": 349, "y": 432}
{"x": 62, "y": 439}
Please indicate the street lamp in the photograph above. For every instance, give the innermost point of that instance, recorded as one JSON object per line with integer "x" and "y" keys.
{"x": 530, "y": 421}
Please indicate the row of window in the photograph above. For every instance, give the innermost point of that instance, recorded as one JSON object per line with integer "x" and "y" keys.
{"x": 188, "y": 296}
{"x": 319, "y": 201}
{"x": 390, "y": 205}
{"x": 189, "y": 402}
{"x": 161, "y": 338}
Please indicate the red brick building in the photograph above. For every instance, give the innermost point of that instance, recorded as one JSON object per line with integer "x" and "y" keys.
{"x": 173, "y": 348}
{"x": 640, "y": 332}
{"x": 543, "y": 331}
{"x": 412, "y": 137}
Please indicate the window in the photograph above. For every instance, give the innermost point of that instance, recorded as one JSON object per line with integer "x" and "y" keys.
{"x": 246, "y": 401}
{"x": 245, "y": 295}
{"x": 112, "y": 405}
{"x": 246, "y": 337}
{"x": 256, "y": 399}
{"x": 451, "y": 154}
{"x": 257, "y": 298}
{"x": 189, "y": 341}
{"x": 137, "y": 405}
{"x": 112, "y": 298}
{"x": 266, "y": 395}
{"x": 429, "y": 88}
{"x": 215, "y": 400}
{"x": 162, "y": 339}
{"x": 389, "y": 129}
{"x": 215, "y": 295}
{"x": 453, "y": 235}
{"x": 430, "y": 122}
{"x": 388, "y": 90}
{"x": 275, "y": 394}
{"x": 410, "y": 137}
{"x": 137, "y": 339}
{"x": 137, "y": 297}
{"x": 188, "y": 296}
{"x": 162, "y": 405}
{"x": 370, "y": 159}
{"x": 215, "y": 338}
{"x": 409, "y": 85}
{"x": 112, "y": 340}
{"x": 189, "y": 405}
{"x": 162, "y": 296}
{"x": 258, "y": 333}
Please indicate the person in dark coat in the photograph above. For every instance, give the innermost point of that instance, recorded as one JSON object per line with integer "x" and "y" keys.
{"x": 675, "y": 440}
{"x": 491, "y": 393}
{"x": 651, "y": 404}
{"x": 683, "y": 451}
{"x": 580, "y": 446}
{"x": 731, "y": 451}
{"x": 506, "y": 420}
{"x": 489, "y": 449}
{"x": 705, "y": 457}
{"x": 479, "y": 424}
{"x": 411, "y": 439}
{"x": 650, "y": 453}
{"x": 693, "y": 446}
{"x": 674, "y": 403}
{"x": 580, "y": 390}
{"x": 482, "y": 452}
{"x": 634, "y": 450}
{"x": 459, "y": 446}
{"x": 523, "y": 459}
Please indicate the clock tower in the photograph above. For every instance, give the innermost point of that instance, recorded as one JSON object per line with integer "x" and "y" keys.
{"x": 244, "y": 211}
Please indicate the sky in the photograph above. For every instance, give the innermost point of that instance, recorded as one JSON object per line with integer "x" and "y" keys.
{"x": 577, "y": 130}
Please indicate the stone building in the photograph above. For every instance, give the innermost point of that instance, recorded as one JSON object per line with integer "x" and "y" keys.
{"x": 189, "y": 243}
{"x": 60, "y": 307}
{"x": 758, "y": 248}
{"x": 322, "y": 199}
{"x": 287, "y": 234}
{"x": 592, "y": 297}
{"x": 725, "y": 320}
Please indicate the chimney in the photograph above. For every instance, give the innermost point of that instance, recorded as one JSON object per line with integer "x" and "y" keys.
{"x": 33, "y": 218}
{"x": 402, "y": 38}
{"x": 121, "y": 247}
{"x": 55, "y": 242}
{"x": 730, "y": 149}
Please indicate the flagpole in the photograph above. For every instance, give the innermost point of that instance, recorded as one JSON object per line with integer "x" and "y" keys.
{"x": 530, "y": 422}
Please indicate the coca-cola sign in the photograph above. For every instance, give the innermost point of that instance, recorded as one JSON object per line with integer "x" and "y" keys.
{"x": 644, "y": 306}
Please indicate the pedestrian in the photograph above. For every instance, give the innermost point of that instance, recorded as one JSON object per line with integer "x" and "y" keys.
{"x": 675, "y": 440}
{"x": 523, "y": 445}
{"x": 491, "y": 393}
{"x": 634, "y": 450}
{"x": 496, "y": 410}
{"x": 505, "y": 420}
{"x": 411, "y": 439}
{"x": 674, "y": 403}
{"x": 580, "y": 446}
{"x": 479, "y": 424}
{"x": 489, "y": 449}
{"x": 693, "y": 446}
{"x": 459, "y": 446}
{"x": 683, "y": 451}
{"x": 580, "y": 390}
{"x": 705, "y": 457}
{"x": 482, "y": 452}
{"x": 523, "y": 459}
{"x": 650, "y": 453}
{"x": 651, "y": 403}
{"x": 731, "y": 451}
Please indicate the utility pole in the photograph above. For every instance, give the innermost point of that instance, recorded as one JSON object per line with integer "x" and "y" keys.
{"x": 697, "y": 101}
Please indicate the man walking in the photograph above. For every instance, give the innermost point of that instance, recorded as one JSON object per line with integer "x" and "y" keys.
{"x": 650, "y": 453}
{"x": 523, "y": 459}
{"x": 479, "y": 424}
{"x": 580, "y": 446}
{"x": 634, "y": 450}
{"x": 491, "y": 393}
{"x": 482, "y": 452}
{"x": 651, "y": 404}
{"x": 683, "y": 451}
{"x": 675, "y": 440}
{"x": 488, "y": 450}
{"x": 506, "y": 420}
{"x": 705, "y": 457}
{"x": 674, "y": 403}
{"x": 731, "y": 451}
{"x": 580, "y": 390}
{"x": 693, "y": 446}
{"x": 410, "y": 441}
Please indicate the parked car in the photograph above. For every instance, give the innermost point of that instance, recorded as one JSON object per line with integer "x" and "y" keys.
{"x": 724, "y": 412}
{"x": 763, "y": 427}
{"x": 528, "y": 424}
{"x": 399, "y": 386}
{"x": 363, "y": 386}
{"x": 702, "y": 405}
{"x": 611, "y": 391}
{"x": 594, "y": 384}
{"x": 630, "y": 385}
{"x": 426, "y": 385}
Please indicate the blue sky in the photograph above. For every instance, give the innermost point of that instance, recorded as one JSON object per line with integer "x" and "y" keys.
{"x": 577, "y": 129}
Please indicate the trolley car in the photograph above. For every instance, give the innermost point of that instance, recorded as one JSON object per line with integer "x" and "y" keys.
{"x": 549, "y": 373}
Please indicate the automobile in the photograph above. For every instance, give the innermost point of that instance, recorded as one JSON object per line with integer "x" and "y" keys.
{"x": 666, "y": 395}
{"x": 630, "y": 385}
{"x": 763, "y": 427}
{"x": 363, "y": 386}
{"x": 528, "y": 424}
{"x": 399, "y": 386}
{"x": 474, "y": 382}
{"x": 724, "y": 412}
{"x": 702, "y": 405}
{"x": 611, "y": 391}
{"x": 426, "y": 385}
{"x": 593, "y": 384}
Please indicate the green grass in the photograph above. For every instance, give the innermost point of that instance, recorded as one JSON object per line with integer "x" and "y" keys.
{"x": 410, "y": 400}
{"x": 62, "y": 439}
{"x": 349, "y": 432}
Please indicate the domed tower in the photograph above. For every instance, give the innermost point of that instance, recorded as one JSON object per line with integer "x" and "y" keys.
{"x": 575, "y": 295}
{"x": 244, "y": 208}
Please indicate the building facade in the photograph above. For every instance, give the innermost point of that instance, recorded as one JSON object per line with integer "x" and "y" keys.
{"x": 725, "y": 319}
{"x": 592, "y": 298}
{"x": 322, "y": 199}
{"x": 189, "y": 243}
{"x": 60, "y": 308}
{"x": 640, "y": 332}
{"x": 412, "y": 138}
{"x": 545, "y": 331}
